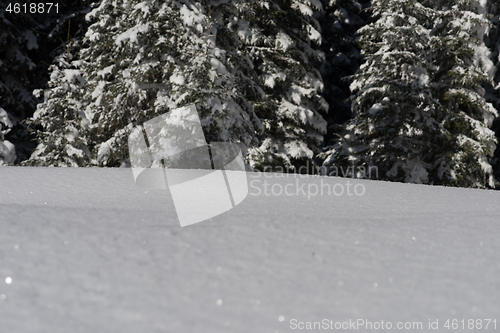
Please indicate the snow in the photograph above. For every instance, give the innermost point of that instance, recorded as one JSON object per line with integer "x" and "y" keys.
{"x": 98, "y": 92}
{"x": 71, "y": 75}
{"x": 5, "y": 121}
{"x": 314, "y": 34}
{"x": 218, "y": 66}
{"x": 304, "y": 9}
{"x": 106, "y": 70}
{"x": 132, "y": 34}
{"x": 298, "y": 149}
{"x": 85, "y": 250}
{"x": 144, "y": 7}
{"x": 316, "y": 3}
{"x": 376, "y": 108}
{"x": 414, "y": 170}
{"x": 7, "y": 152}
{"x": 283, "y": 41}
{"x": 73, "y": 151}
{"x": 305, "y": 115}
{"x": 7, "y": 149}
{"x": 192, "y": 17}
{"x": 104, "y": 149}
{"x": 177, "y": 78}
{"x": 269, "y": 80}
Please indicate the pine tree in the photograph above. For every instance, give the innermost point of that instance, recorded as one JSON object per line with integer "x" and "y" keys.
{"x": 19, "y": 41}
{"x": 394, "y": 108}
{"x": 131, "y": 57}
{"x": 278, "y": 38}
{"x": 159, "y": 57}
{"x": 463, "y": 67}
{"x": 7, "y": 149}
{"x": 251, "y": 82}
{"x": 27, "y": 42}
{"x": 420, "y": 112}
{"x": 493, "y": 91}
{"x": 57, "y": 122}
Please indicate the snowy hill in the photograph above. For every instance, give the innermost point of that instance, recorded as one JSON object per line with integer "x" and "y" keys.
{"x": 86, "y": 250}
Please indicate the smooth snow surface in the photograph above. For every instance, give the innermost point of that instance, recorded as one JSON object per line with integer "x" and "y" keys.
{"x": 85, "y": 250}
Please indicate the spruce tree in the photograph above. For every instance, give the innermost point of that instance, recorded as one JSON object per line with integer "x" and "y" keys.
{"x": 137, "y": 61}
{"x": 19, "y": 69}
{"x": 277, "y": 38}
{"x": 493, "y": 90}
{"x": 420, "y": 112}
{"x": 464, "y": 66}
{"x": 27, "y": 47}
{"x": 57, "y": 121}
{"x": 250, "y": 79}
{"x": 7, "y": 149}
{"x": 394, "y": 107}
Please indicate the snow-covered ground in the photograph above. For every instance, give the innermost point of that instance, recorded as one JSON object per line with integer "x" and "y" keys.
{"x": 85, "y": 250}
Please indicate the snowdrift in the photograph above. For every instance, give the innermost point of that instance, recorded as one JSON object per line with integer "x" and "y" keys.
{"x": 86, "y": 250}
